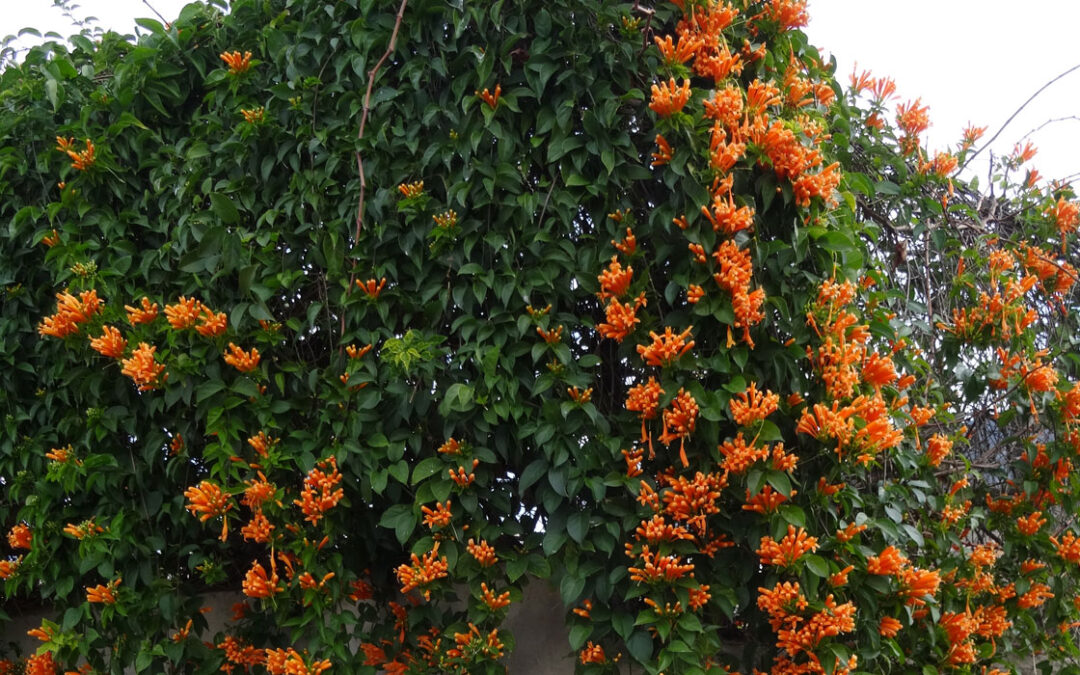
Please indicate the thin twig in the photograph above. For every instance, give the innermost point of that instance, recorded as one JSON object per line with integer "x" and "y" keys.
{"x": 157, "y": 13}
{"x": 1017, "y": 112}
{"x": 360, "y": 135}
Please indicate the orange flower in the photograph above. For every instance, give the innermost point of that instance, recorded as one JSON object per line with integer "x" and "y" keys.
{"x": 462, "y": 479}
{"x": 8, "y": 568}
{"x": 87, "y": 528}
{"x": 209, "y": 501}
{"x": 937, "y": 448}
{"x": 319, "y": 494}
{"x": 371, "y": 288}
{"x": 912, "y": 119}
{"x": 592, "y": 653}
{"x": 788, "y": 550}
{"x": 259, "y": 529}
{"x": 614, "y": 281}
{"x": 51, "y": 239}
{"x": 669, "y": 98}
{"x": 81, "y": 160}
{"x": 579, "y": 397}
{"x": 450, "y": 447}
{"x": 916, "y": 584}
{"x": 492, "y": 100}
{"x": 666, "y": 348}
{"x": 494, "y": 602}
{"x": 440, "y": 516}
{"x": 751, "y": 406}
{"x": 888, "y": 562}
{"x": 147, "y": 313}
{"x": 143, "y": 369}
{"x": 679, "y": 421}
{"x": 243, "y": 361}
{"x": 411, "y": 190}
{"x": 621, "y": 318}
{"x": 766, "y": 501}
{"x": 889, "y": 627}
{"x": 210, "y": 324}
{"x": 552, "y": 337}
{"x": 656, "y": 568}
{"x": 483, "y": 552}
{"x": 694, "y": 294}
{"x": 628, "y": 245}
{"x": 739, "y": 456}
{"x": 21, "y": 536}
{"x": 254, "y": 115}
{"x": 423, "y": 571}
{"x": 780, "y": 602}
{"x": 664, "y": 154}
{"x": 184, "y": 313}
{"x": 1037, "y": 595}
{"x": 238, "y": 65}
{"x": 680, "y": 53}
{"x": 1029, "y": 525}
{"x": 258, "y": 492}
{"x": 110, "y": 343}
{"x": 105, "y": 594}
{"x": 257, "y": 584}
{"x": 70, "y": 313}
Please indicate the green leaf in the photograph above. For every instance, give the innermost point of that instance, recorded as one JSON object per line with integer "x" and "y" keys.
{"x": 224, "y": 209}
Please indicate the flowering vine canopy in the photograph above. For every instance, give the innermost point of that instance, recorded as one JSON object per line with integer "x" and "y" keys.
{"x": 374, "y": 314}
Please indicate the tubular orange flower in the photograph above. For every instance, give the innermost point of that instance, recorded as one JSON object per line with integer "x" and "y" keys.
{"x": 143, "y": 369}
{"x": 51, "y": 239}
{"x": 144, "y": 314}
{"x": 1029, "y": 525}
{"x": 621, "y": 318}
{"x": 889, "y": 627}
{"x": 614, "y": 281}
{"x": 81, "y": 160}
{"x": 238, "y": 65}
{"x": 494, "y": 602}
{"x": 70, "y": 313}
{"x": 492, "y": 100}
{"x": 411, "y": 190}
{"x": 483, "y": 552}
{"x": 937, "y": 448}
{"x": 912, "y": 119}
{"x": 694, "y": 294}
{"x": 105, "y": 594}
{"x": 664, "y": 154}
{"x": 257, "y": 584}
{"x": 371, "y": 288}
{"x": 21, "y": 536}
{"x": 788, "y": 550}
{"x": 87, "y": 528}
{"x": 679, "y": 421}
{"x": 184, "y": 314}
{"x": 659, "y": 569}
{"x": 8, "y": 568}
{"x": 751, "y": 406}
{"x": 440, "y": 516}
{"x": 259, "y": 529}
{"x": 666, "y": 348}
{"x": 423, "y": 572}
{"x": 461, "y": 479}
{"x": 766, "y": 501}
{"x": 628, "y": 244}
{"x": 209, "y": 501}
{"x": 258, "y": 492}
{"x": 552, "y": 337}
{"x": 319, "y": 494}
{"x": 592, "y": 653}
{"x": 243, "y": 361}
{"x": 110, "y": 343}
{"x": 888, "y": 562}
{"x": 916, "y": 584}
{"x": 211, "y": 324}
{"x": 669, "y": 98}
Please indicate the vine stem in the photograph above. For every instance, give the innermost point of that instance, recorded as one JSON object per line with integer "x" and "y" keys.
{"x": 360, "y": 135}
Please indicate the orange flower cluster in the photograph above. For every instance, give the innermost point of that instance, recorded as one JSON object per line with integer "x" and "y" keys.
{"x": 620, "y": 318}
{"x": 319, "y": 494}
{"x": 243, "y": 361}
{"x": 143, "y": 368}
{"x": 667, "y": 348}
{"x": 440, "y": 516}
{"x": 472, "y": 645}
{"x": 209, "y": 501}
{"x": 664, "y": 153}
{"x": 912, "y": 119}
{"x": 104, "y": 594}
{"x": 20, "y": 536}
{"x": 999, "y": 317}
{"x": 289, "y": 662}
{"x": 8, "y": 568}
{"x": 254, "y": 115}
{"x": 592, "y": 653}
{"x": 70, "y": 313}
{"x": 669, "y": 98}
{"x": 483, "y": 552}
{"x": 492, "y": 601}
{"x": 238, "y": 65}
{"x": 1066, "y": 215}
{"x": 491, "y": 99}
{"x": 786, "y": 552}
{"x": 1055, "y": 276}
{"x": 145, "y": 313}
{"x": 751, "y": 406}
{"x": 411, "y": 190}
{"x": 87, "y": 528}
{"x": 462, "y": 479}
{"x": 257, "y": 584}
{"x": 552, "y": 337}
{"x": 81, "y": 160}
{"x": 110, "y": 343}
{"x": 656, "y": 568}
{"x": 423, "y": 572}
{"x": 371, "y": 288}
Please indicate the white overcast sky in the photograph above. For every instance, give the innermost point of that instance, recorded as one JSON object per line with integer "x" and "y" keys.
{"x": 970, "y": 60}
